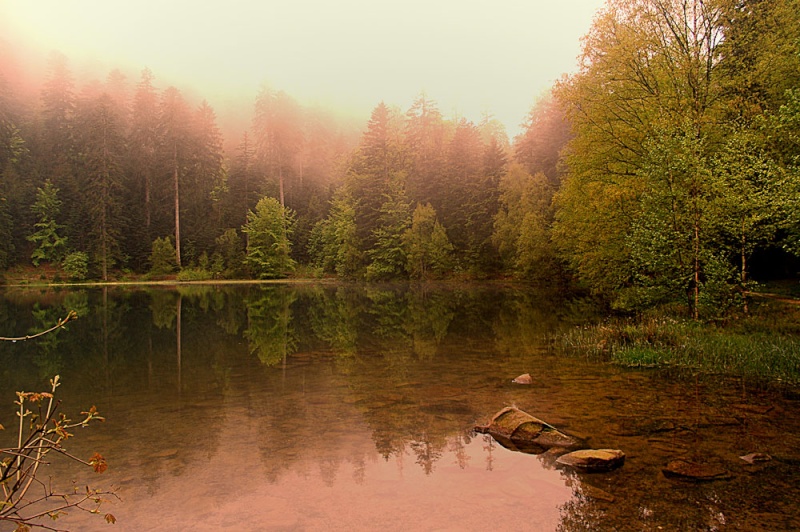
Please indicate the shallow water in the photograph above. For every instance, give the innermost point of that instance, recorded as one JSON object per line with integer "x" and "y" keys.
{"x": 335, "y": 407}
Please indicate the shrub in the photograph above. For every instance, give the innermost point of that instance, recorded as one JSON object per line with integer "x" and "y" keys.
{"x": 76, "y": 265}
{"x": 162, "y": 259}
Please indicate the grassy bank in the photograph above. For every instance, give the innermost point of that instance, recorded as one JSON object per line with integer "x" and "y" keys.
{"x": 764, "y": 344}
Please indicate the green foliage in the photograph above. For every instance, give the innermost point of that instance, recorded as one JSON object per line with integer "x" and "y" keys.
{"x": 7, "y": 247}
{"x": 674, "y": 174}
{"x": 751, "y": 348}
{"x": 76, "y": 265}
{"x": 228, "y": 260}
{"x": 50, "y": 245}
{"x": 785, "y": 129}
{"x": 388, "y": 256}
{"x": 429, "y": 249}
{"x": 270, "y": 334}
{"x": 162, "y": 258}
{"x": 334, "y": 243}
{"x": 195, "y": 274}
{"x": 268, "y": 229}
{"x": 522, "y": 226}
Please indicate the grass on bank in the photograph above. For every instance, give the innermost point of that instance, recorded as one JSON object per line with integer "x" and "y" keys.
{"x": 764, "y": 344}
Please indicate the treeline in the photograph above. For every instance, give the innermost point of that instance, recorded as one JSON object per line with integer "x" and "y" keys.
{"x": 113, "y": 179}
{"x": 652, "y": 176}
{"x": 95, "y": 179}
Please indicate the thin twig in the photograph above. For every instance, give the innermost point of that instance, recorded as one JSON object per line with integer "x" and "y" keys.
{"x": 71, "y": 316}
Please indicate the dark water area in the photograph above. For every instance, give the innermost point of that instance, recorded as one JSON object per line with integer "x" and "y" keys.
{"x": 336, "y": 407}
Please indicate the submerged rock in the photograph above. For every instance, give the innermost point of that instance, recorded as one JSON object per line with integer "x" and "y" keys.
{"x": 525, "y": 378}
{"x": 753, "y": 458}
{"x": 518, "y": 430}
{"x": 593, "y": 459}
{"x": 694, "y": 471}
{"x": 591, "y": 492}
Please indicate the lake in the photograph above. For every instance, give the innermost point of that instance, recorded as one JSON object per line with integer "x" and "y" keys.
{"x": 352, "y": 407}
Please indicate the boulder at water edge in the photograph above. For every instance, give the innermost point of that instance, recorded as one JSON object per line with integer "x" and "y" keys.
{"x": 593, "y": 459}
{"x": 525, "y": 378}
{"x": 521, "y": 431}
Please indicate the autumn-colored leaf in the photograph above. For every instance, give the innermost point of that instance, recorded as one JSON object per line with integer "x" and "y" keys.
{"x": 110, "y": 519}
{"x": 98, "y": 463}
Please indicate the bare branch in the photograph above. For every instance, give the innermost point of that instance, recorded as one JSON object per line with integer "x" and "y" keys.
{"x": 72, "y": 315}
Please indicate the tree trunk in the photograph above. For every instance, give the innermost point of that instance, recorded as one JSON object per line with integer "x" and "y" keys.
{"x": 177, "y": 206}
{"x": 696, "y": 265}
{"x": 744, "y": 266}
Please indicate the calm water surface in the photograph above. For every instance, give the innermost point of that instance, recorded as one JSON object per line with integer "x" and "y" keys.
{"x": 302, "y": 407}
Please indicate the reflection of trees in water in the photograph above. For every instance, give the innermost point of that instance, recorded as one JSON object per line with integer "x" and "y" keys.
{"x": 108, "y": 358}
{"x": 305, "y": 421}
{"x": 427, "y": 451}
{"x": 388, "y": 312}
{"x": 269, "y": 324}
{"x": 524, "y": 321}
{"x": 49, "y": 355}
{"x": 489, "y": 447}
{"x": 322, "y": 416}
{"x": 430, "y": 315}
{"x": 164, "y": 308}
{"x": 334, "y": 317}
{"x": 159, "y": 437}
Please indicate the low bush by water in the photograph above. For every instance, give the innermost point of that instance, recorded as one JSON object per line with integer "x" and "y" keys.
{"x": 764, "y": 344}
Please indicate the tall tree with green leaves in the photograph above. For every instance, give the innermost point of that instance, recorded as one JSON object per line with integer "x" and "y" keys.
{"x": 242, "y": 183}
{"x": 426, "y": 139}
{"x": 546, "y": 132}
{"x": 268, "y": 231}
{"x": 101, "y": 147}
{"x": 205, "y": 180}
{"x": 55, "y": 150}
{"x": 649, "y": 84}
{"x": 278, "y": 135}
{"x": 142, "y": 169}
{"x": 174, "y": 137}
{"x": 50, "y": 246}
{"x": 334, "y": 242}
{"x": 378, "y": 161}
{"x": 428, "y": 249}
{"x": 522, "y": 226}
{"x": 389, "y": 256}
{"x": 12, "y": 152}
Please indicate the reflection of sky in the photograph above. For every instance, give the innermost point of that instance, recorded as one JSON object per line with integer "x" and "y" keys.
{"x": 229, "y": 490}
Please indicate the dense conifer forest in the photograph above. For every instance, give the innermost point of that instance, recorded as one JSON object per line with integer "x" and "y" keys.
{"x": 663, "y": 171}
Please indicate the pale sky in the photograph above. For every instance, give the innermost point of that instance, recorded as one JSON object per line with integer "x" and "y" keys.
{"x": 470, "y": 56}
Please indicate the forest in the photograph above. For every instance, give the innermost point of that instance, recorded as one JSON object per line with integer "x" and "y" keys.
{"x": 664, "y": 171}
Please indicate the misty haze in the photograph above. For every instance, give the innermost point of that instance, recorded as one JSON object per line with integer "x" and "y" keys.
{"x": 400, "y": 266}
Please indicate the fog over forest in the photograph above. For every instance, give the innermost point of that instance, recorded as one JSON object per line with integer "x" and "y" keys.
{"x": 663, "y": 170}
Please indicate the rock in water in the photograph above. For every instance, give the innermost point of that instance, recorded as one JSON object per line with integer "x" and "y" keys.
{"x": 593, "y": 459}
{"x": 523, "y": 379}
{"x": 753, "y": 458}
{"x": 518, "y": 430}
{"x": 694, "y": 472}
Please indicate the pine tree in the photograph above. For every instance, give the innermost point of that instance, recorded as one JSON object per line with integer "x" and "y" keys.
{"x": 50, "y": 245}
{"x": 102, "y": 151}
{"x": 173, "y": 124}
